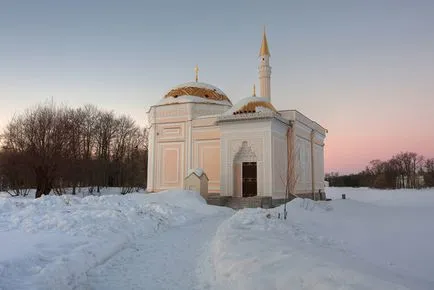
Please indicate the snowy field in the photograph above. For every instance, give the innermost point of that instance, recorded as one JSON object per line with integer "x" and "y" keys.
{"x": 374, "y": 239}
{"x": 69, "y": 242}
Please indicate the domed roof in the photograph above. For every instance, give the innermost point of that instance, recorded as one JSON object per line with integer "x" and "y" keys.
{"x": 196, "y": 92}
{"x": 251, "y": 104}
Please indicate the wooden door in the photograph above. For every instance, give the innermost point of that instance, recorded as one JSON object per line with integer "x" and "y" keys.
{"x": 249, "y": 179}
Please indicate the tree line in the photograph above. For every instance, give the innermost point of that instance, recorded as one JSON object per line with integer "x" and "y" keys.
{"x": 403, "y": 170}
{"x": 52, "y": 147}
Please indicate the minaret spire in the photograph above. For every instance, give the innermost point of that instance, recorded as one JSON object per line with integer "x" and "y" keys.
{"x": 264, "y": 46}
{"x": 264, "y": 69}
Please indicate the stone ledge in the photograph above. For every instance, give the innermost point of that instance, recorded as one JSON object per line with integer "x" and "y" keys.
{"x": 252, "y": 202}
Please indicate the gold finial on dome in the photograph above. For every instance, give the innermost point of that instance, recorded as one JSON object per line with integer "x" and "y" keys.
{"x": 196, "y": 70}
{"x": 264, "y": 46}
{"x": 254, "y": 90}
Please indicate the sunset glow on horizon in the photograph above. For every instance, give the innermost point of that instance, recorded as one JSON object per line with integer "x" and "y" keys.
{"x": 364, "y": 71}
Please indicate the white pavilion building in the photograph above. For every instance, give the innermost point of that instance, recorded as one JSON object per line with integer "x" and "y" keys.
{"x": 249, "y": 149}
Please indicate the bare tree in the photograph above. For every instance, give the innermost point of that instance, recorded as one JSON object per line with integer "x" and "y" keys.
{"x": 73, "y": 154}
{"x": 15, "y": 176}
{"x": 53, "y": 148}
{"x": 40, "y": 134}
{"x": 90, "y": 119}
{"x": 429, "y": 172}
{"x": 290, "y": 177}
{"x": 133, "y": 167}
{"x": 105, "y": 131}
{"x": 409, "y": 165}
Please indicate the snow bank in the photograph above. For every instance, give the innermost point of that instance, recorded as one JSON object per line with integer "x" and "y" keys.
{"x": 51, "y": 242}
{"x": 342, "y": 244}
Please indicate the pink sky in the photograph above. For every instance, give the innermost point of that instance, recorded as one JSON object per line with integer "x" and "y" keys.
{"x": 349, "y": 154}
{"x": 355, "y": 138}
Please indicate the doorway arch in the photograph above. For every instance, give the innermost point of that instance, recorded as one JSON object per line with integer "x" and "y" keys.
{"x": 245, "y": 172}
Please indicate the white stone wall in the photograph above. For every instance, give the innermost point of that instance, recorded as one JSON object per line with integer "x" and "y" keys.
{"x": 303, "y": 157}
{"x": 309, "y": 139}
{"x": 184, "y": 136}
{"x": 319, "y": 162}
{"x": 206, "y": 150}
{"x": 181, "y": 137}
{"x": 171, "y": 145}
{"x": 279, "y": 158}
{"x": 151, "y": 151}
{"x": 257, "y": 134}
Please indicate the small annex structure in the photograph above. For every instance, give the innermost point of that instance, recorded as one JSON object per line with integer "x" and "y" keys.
{"x": 196, "y": 180}
{"x": 250, "y": 150}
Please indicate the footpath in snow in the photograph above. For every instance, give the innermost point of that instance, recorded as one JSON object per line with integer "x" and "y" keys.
{"x": 108, "y": 242}
{"x": 372, "y": 240}
{"x": 169, "y": 260}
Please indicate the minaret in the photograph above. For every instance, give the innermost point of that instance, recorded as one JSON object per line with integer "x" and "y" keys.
{"x": 264, "y": 69}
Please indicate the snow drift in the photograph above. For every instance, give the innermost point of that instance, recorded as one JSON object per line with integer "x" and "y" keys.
{"x": 343, "y": 244}
{"x": 51, "y": 242}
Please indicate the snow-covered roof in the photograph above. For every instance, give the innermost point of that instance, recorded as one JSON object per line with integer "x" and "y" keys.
{"x": 198, "y": 172}
{"x": 251, "y": 104}
{"x": 195, "y": 92}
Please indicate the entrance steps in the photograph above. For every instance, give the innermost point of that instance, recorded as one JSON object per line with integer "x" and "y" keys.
{"x": 240, "y": 202}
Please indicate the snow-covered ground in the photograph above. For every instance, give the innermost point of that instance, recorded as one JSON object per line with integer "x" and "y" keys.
{"x": 398, "y": 197}
{"x": 173, "y": 240}
{"x": 372, "y": 240}
{"x": 69, "y": 242}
